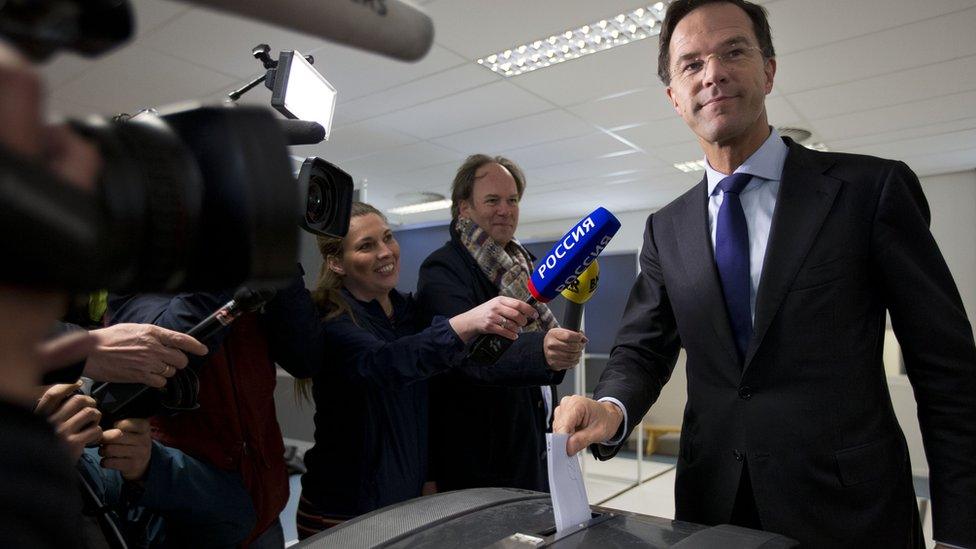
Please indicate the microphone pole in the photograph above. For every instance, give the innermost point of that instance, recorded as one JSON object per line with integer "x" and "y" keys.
{"x": 577, "y": 294}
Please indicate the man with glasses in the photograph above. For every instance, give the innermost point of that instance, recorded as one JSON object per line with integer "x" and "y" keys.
{"x": 775, "y": 273}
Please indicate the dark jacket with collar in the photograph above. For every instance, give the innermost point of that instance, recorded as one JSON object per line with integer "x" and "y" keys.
{"x": 371, "y": 406}
{"x": 484, "y": 435}
{"x": 808, "y": 410}
{"x": 181, "y": 502}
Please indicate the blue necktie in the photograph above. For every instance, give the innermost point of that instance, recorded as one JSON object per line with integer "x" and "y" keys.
{"x": 732, "y": 259}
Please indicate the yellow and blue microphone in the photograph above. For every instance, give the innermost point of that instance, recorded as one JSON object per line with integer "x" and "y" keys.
{"x": 577, "y": 294}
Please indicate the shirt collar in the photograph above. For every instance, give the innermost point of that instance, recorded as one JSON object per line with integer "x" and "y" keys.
{"x": 766, "y": 163}
{"x": 373, "y": 306}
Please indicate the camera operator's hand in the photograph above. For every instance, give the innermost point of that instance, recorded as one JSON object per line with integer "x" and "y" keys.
{"x": 71, "y": 156}
{"x": 563, "y": 348}
{"x": 29, "y": 314}
{"x": 24, "y": 355}
{"x": 127, "y": 448}
{"x": 139, "y": 353}
{"x": 66, "y": 349}
{"x": 23, "y": 131}
{"x": 21, "y": 127}
{"x": 501, "y": 315}
{"x": 74, "y": 416}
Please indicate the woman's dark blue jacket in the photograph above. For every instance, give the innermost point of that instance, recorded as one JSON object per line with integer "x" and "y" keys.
{"x": 371, "y": 406}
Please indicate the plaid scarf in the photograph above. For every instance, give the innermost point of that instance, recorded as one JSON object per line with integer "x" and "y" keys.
{"x": 507, "y": 268}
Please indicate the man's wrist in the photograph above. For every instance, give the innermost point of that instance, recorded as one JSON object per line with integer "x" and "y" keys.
{"x": 616, "y": 415}
{"x": 618, "y": 419}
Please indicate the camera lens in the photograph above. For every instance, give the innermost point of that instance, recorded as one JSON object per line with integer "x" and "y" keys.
{"x": 328, "y": 197}
{"x": 317, "y": 203}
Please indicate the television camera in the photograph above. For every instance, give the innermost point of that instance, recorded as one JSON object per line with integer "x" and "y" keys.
{"x": 195, "y": 199}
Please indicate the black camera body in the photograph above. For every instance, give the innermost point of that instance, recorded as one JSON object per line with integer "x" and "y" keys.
{"x": 202, "y": 199}
{"x": 199, "y": 199}
{"x": 39, "y": 28}
{"x": 194, "y": 200}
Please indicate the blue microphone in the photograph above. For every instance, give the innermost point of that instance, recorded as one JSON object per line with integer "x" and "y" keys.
{"x": 559, "y": 268}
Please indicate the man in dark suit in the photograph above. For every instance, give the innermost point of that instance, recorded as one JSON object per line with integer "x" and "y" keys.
{"x": 775, "y": 274}
{"x": 507, "y": 447}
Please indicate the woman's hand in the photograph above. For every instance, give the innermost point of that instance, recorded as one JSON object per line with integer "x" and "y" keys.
{"x": 501, "y": 315}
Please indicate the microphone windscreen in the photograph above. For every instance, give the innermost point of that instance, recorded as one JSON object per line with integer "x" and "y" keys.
{"x": 388, "y": 27}
{"x": 581, "y": 290}
{"x": 302, "y": 132}
{"x": 572, "y": 254}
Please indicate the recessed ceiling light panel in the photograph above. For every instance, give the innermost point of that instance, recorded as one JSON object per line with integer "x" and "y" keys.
{"x": 430, "y": 202}
{"x": 604, "y": 34}
{"x": 691, "y": 166}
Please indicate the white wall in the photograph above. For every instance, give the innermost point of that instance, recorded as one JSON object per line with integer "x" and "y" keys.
{"x": 628, "y": 239}
{"x": 952, "y": 200}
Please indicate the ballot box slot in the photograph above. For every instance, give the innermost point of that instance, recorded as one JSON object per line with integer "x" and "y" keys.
{"x": 549, "y": 536}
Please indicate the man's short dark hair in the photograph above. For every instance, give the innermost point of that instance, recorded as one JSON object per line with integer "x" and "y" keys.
{"x": 680, "y": 8}
{"x": 463, "y": 186}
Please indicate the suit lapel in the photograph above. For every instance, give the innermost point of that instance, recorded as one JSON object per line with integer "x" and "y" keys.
{"x": 695, "y": 245}
{"x": 805, "y": 198}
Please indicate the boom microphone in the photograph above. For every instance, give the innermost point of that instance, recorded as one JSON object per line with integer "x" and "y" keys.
{"x": 564, "y": 263}
{"x": 577, "y": 294}
{"x": 389, "y": 27}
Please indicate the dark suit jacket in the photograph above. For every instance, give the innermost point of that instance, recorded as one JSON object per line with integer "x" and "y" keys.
{"x": 482, "y": 434}
{"x": 809, "y": 409}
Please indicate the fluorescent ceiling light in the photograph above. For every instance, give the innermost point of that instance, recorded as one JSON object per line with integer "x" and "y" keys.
{"x": 602, "y": 35}
{"x": 422, "y": 207}
{"x": 691, "y": 166}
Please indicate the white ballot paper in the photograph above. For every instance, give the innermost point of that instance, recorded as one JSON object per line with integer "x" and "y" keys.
{"x": 569, "y": 503}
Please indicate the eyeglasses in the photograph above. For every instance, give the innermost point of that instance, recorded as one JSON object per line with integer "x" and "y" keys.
{"x": 732, "y": 57}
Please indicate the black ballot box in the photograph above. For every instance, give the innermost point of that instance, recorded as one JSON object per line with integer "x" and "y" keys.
{"x": 516, "y": 519}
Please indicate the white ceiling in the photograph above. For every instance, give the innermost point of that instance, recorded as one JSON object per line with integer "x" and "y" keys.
{"x": 895, "y": 78}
